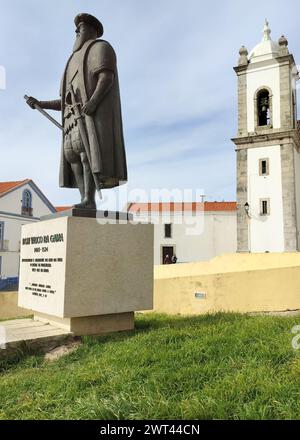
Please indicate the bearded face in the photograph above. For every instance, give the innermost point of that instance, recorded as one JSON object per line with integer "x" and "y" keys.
{"x": 84, "y": 32}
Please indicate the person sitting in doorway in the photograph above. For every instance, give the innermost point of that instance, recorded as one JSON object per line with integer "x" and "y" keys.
{"x": 167, "y": 259}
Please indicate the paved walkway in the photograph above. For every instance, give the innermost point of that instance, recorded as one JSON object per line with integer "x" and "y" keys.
{"x": 20, "y": 334}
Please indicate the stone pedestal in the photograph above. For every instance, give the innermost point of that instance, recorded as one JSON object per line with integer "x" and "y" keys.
{"x": 90, "y": 325}
{"x": 86, "y": 275}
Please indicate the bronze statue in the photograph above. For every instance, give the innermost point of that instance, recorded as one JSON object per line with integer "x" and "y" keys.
{"x": 93, "y": 151}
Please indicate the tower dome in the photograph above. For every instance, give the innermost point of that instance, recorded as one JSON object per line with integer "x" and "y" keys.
{"x": 267, "y": 49}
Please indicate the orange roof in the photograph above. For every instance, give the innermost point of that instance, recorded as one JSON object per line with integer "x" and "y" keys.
{"x": 184, "y": 206}
{"x": 220, "y": 206}
{"x": 5, "y": 187}
{"x": 62, "y": 208}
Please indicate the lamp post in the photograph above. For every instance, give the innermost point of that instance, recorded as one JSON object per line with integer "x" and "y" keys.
{"x": 247, "y": 210}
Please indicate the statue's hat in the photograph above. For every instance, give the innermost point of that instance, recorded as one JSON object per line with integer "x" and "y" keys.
{"x": 90, "y": 19}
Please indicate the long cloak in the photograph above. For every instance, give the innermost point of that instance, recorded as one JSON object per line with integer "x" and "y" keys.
{"x": 104, "y": 128}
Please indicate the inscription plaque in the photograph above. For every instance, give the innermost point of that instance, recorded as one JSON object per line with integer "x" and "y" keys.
{"x": 42, "y": 266}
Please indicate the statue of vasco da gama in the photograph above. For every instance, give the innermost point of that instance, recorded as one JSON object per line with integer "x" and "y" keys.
{"x": 93, "y": 151}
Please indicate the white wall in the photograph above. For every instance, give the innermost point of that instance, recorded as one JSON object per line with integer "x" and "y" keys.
{"x": 12, "y": 234}
{"x": 257, "y": 77}
{"x": 266, "y": 233}
{"x": 199, "y": 238}
{"x": 12, "y": 203}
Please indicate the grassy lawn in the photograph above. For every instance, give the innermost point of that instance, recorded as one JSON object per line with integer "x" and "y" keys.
{"x": 222, "y": 366}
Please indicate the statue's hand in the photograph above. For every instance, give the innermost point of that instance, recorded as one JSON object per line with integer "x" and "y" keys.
{"x": 89, "y": 107}
{"x": 32, "y": 102}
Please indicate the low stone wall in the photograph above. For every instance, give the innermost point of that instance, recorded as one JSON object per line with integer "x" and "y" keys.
{"x": 9, "y": 306}
{"x": 233, "y": 282}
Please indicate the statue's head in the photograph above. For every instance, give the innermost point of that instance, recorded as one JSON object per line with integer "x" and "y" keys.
{"x": 88, "y": 27}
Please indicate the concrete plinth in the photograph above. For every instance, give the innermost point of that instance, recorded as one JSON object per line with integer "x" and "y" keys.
{"x": 91, "y": 325}
{"x": 86, "y": 275}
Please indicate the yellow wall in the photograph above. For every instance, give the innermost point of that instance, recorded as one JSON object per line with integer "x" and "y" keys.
{"x": 9, "y": 307}
{"x": 232, "y": 282}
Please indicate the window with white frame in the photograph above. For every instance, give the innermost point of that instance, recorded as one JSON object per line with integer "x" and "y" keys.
{"x": 168, "y": 230}
{"x": 27, "y": 202}
{"x": 264, "y": 207}
{"x": 264, "y": 167}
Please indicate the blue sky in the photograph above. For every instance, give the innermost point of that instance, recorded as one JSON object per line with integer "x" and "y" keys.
{"x": 178, "y": 87}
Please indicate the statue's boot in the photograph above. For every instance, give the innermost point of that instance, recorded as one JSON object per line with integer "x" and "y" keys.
{"x": 88, "y": 201}
{"x": 86, "y": 204}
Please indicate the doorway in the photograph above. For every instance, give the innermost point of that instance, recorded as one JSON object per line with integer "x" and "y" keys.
{"x": 166, "y": 254}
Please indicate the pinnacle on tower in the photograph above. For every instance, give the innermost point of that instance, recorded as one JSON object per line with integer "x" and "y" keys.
{"x": 266, "y": 31}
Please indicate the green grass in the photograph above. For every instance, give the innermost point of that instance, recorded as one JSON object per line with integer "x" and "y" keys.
{"x": 223, "y": 366}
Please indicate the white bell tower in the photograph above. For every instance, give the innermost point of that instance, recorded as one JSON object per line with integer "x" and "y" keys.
{"x": 267, "y": 147}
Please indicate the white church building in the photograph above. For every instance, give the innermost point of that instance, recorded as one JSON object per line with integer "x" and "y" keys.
{"x": 267, "y": 148}
{"x": 21, "y": 202}
{"x": 196, "y": 231}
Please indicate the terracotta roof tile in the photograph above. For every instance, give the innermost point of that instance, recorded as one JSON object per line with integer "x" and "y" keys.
{"x": 220, "y": 206}
{"x": 62, "y": 208}
{"x": 5, "y": 187}
{"x": 179, "y": 207}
